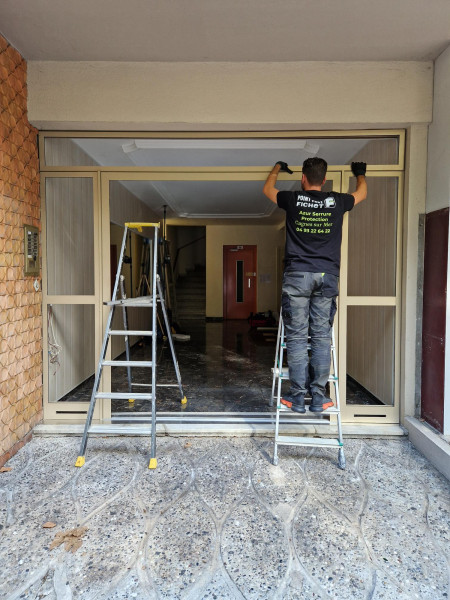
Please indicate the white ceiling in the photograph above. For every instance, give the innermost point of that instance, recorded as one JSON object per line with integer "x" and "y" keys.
{"x": 129, "y": 152}
{"x": 227, "y": 30}
{"x": 212, "y": 200}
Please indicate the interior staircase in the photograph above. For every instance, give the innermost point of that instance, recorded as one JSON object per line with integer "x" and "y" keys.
{"x": 191, "y": 294}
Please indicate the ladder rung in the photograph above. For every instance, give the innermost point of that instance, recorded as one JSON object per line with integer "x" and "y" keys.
{"x": 121, "y": 429}
{"x": 308, "y": 441}
{"x": 129, "y": 332}
{"x": 123, "y": 395}
{"x": 139, "y": 301}
{"x": 127, "y": 363}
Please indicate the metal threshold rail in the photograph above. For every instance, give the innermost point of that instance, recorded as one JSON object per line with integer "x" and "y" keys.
{"x": 252, "y": 418}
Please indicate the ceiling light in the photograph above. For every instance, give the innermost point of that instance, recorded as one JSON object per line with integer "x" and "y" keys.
{"x": 219, "y": 144}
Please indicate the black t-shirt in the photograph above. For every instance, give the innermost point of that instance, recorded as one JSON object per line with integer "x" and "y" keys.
{"x": 314, "y": 229}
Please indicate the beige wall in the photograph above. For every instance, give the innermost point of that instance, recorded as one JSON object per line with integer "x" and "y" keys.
{"x": 266, "y": 238}
{"x": 176, "y": 96}
{"x": 438, "y": 181}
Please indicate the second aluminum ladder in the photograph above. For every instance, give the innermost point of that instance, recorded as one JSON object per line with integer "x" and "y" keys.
{"x": 281, "y": 373}
{"x": 150, "y": 301}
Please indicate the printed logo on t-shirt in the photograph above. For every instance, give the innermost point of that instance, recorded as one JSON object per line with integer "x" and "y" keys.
{"x": 307, "y": 202}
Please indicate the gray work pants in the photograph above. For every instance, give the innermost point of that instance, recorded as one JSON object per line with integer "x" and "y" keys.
{"x": 308, "y": 307}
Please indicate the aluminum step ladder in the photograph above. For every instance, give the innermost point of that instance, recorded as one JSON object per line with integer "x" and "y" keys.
{"x": 150, "y": 301}
{"x": 281, "y": 373}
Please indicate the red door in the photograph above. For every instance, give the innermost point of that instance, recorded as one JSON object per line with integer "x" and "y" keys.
{"x": 434, "y": 315}
{"x": 239, "y": 281}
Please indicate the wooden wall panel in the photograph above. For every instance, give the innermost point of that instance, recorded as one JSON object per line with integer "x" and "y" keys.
{"x": 378, "y": 152}
{"x": 370, "y": 349}
{"x": 372, "y": 240}
{"x": 70, "y": 235}
{"x": 63, "y": 152}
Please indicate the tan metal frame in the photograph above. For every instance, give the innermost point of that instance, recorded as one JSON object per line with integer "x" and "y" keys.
{"x": 360, "y": 133}
{"x": 102, "y": 176}
{"x": 70, "y": 410}
{"x": 391, "y": 413}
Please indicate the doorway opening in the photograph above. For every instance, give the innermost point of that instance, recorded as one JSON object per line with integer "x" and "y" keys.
{"x": 214, "y": 210}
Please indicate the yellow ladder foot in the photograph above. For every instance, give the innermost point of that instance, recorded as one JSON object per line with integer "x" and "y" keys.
{"x": 130, "y": 399}
{"x": 184, "y": 400}
{"x": 80, "y": 461}
{"x": 153, "y": 463}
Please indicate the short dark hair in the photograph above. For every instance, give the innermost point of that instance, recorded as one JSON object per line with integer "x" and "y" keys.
{"x": 315, "y": 170}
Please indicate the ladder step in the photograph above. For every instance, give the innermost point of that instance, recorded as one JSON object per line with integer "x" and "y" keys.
{"x": 121, "y": 429}
{"x": 123, "y": 395}
{"x": 127, "y": 363}
{"x": 308, "y": 441}
{"x": 130, "y": 332}
{"x": 139, "y": 301}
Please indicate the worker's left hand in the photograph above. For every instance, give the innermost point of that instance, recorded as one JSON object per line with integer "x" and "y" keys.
{"x": 359, "y": 168}
{"x": 284, "y": 167}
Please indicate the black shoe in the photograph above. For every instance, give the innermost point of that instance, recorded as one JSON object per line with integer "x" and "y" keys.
{"x": 297, "y": 404}
{"x": 320, "y": 403}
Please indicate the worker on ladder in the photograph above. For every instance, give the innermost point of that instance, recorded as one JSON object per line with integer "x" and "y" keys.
{"x": 314, "y": 221}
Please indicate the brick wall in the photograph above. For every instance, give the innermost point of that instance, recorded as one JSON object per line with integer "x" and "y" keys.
{"x": 20, "y": 304}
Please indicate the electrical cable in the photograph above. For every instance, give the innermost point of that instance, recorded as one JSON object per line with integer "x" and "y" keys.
{"x": 54, "y": 348}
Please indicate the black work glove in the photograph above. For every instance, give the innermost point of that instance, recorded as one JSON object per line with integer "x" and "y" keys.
{"x": 284, "y": 167}
{"x": 359, "y": 168}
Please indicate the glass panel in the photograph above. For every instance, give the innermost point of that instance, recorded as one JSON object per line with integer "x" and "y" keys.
{"x": 370, "y": 355}
{"x": 372, "y": 240}
{"x": 71, "y": 369}
{"x": 239, "y": 281}
{"x": 130, "y": 152}
{"x": 69, "y": 211}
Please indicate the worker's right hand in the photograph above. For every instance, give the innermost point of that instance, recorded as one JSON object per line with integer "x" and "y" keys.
{"x": 359, "y": 168}
{"x": 284, "y": 167}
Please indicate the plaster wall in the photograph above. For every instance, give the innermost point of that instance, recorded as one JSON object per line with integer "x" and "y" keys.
{"x": 175, "y": 96}
{"x": 438, "y": 174}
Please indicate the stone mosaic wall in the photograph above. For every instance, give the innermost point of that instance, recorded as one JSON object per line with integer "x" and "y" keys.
{"x": 20, "y": 304}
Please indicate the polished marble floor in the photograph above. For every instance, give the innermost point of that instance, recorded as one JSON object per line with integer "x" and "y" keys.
{"x": 225, "y": 367}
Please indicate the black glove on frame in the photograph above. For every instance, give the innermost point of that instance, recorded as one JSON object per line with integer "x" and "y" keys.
{"x": 359, "y": 168}
{"x": 284, "y": 167}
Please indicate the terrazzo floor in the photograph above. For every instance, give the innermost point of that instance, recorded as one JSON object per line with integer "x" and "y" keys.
{"x": 216, "y": 520}
{"x": 225, "y": 367}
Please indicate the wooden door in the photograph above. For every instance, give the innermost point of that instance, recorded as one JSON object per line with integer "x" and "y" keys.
{"x": 239, "y": 281}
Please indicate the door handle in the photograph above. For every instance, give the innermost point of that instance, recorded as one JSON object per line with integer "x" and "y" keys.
{"x": 249, "y": 282}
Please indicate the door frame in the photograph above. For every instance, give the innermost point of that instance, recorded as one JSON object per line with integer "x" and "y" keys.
{"x": 103, "y": 175}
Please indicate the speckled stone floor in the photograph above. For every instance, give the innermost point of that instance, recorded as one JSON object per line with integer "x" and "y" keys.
{"x": 216, "y": 520}
{"x": 225, "y": 367}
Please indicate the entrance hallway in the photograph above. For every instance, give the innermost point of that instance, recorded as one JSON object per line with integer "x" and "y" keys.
{"x": 225, "y": 367}
{"x": 217, "y": 520}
